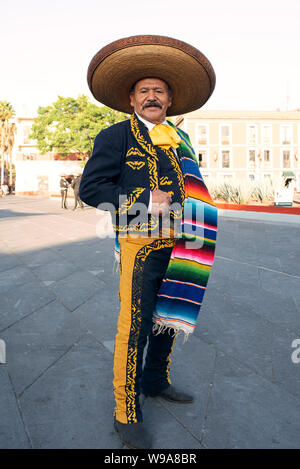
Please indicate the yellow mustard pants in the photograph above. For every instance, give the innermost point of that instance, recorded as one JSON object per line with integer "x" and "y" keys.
{"x": 143, "y": 262}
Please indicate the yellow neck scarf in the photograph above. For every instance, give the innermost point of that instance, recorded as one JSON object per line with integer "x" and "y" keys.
{"x": 164, "y": 136}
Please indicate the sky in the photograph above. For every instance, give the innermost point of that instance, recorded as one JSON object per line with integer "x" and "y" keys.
{"x": 253, "y": 45}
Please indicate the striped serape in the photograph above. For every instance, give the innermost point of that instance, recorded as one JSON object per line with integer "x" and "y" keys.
{"x": 181, "y": 294}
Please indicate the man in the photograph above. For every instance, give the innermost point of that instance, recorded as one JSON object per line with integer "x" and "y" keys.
{"x": 138, "y": 163}
{"x": 64, "y": 190}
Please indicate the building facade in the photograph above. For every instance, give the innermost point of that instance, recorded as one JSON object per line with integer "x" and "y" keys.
{"x": 37, "y": 173}
{"x": 245, "y": 145}
{"x": 230, "y": 145}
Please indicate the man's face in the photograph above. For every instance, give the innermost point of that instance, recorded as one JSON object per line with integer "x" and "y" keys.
{"x": 150, "y": 99}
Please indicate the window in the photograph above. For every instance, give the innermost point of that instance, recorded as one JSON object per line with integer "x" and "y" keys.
{"x": 286, "y": 134}
{"x": 225, "y": 161}
{"x": 202, "y": 134}
{"x": 225, "y": 133}
{"x": 266, "y": 134}
{"x": 203, "y": 158}
{"x": 267, "y": 176}
{"x": 251, "y": 177}
{"x": 251, "y": 158}
{"x": 266, "y": 156}
{"x": 286, "y": 159}
{"x": 26, "y": 133}
{"x": 252, "y": 134}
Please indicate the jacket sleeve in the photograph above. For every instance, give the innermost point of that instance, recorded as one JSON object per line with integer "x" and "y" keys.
{"x": 100, "y": 178}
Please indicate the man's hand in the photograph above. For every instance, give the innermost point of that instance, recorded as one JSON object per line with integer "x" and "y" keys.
{"x": 161, "y": 202}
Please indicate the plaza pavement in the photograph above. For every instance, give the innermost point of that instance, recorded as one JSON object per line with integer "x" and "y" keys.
{"x": 59, "y": 308}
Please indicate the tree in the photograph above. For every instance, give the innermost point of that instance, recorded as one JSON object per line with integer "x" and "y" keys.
{"x": 70, "y": 125}
{"x": 7, "y": 137}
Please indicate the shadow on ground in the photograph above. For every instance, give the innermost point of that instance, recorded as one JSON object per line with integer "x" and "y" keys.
{"x": 59, "y": 309}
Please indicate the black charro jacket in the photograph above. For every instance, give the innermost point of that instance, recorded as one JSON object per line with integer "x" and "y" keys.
{"x": 124, "y": 167}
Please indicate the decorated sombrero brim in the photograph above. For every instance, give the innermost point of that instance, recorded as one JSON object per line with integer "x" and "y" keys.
{"x": 116, "y": 67}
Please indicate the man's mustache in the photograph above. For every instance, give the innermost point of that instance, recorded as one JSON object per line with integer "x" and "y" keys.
{"x": 152, "y": 104}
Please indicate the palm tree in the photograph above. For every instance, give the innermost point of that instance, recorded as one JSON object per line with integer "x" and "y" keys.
{"x": 7, "y": 136}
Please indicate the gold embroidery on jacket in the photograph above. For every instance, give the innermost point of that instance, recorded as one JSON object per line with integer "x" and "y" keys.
{"x": 152, "y": 162}
{"x": 135, "y": 164}
{"x": 133, "y": 196}
{"x": 139, "y": 227}
{"x": 179, "y": 174}
{"x": 165, "y": 181}
{"x": 134, "y": 151}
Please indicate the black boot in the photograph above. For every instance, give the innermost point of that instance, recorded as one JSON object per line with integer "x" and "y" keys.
{"x": 133, "y": 435}
{"x": 172, "y": 394}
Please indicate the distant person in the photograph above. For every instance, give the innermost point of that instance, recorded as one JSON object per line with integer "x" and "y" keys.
{"x": 64, "y": 191}
{"x": 4, "y": 188}
{"x": 75, "y": 186}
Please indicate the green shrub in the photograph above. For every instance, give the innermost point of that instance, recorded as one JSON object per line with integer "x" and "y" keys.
{"x": 241, "y": 192}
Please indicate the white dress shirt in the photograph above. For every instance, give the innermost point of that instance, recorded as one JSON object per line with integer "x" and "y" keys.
{"x": 150, "y": 126}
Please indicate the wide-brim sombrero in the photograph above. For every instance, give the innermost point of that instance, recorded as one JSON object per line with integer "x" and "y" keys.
{"x": 116, "y": 67}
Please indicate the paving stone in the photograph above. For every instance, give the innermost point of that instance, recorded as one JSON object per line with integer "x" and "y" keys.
{"x": 246, "y": 411}
{"x": 71, "y": 405}
{"x": 17, "y": 303}
{"x": 236, "y": 331}
{"x": 74, "y": 250}
{"x": 192, "y": 370}
{"x": 12, "y": 430}
{"x": 39, "y": 257}
{"x": 9, "y": 261}
{"x": 99, "y": 314}
{"x": 76, "y": 288}
{"x": 237, "y": 270}
{"x": 54, "y": 270}
{"x": 37, "y": 341}
{"x": 290, "y": 264}
{"x": 273, "y": 306}
{"x": 278, "y": 282}
{"x": 96, "y": 254}
{"x": 15, "y": 276}
{"x": 93, "y": 260}
{"x": 166, "y": 431}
